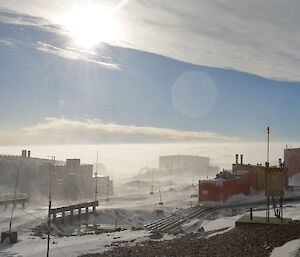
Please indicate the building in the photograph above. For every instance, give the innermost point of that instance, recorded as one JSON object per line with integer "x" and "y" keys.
{"x": 32, "y": 178}
{"x": 70, "y": 180}
{"x": 184, "y": 166}
{"x": 104, "y": 187}
{"x": 292, "y": 161}
{"x": 220, "y": 190}
{"x": 256, "y": 173}
{"x": 182, "y": 161}
{"x": 73, "y": 180}
{"x": 177, "y": 169}
{"x": 241, "y": 180}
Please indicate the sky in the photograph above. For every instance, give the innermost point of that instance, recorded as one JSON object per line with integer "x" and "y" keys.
{"x": 84, "y": 72}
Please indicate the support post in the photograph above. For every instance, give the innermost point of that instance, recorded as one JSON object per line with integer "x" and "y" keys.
{"x": 268, "y": 208}
{"x": 79, "y": 213}
{"x": 87, "y": 212}
{"x": 71, "y": 215}
{"x": 281, "y": 209}
{"x": 63, "y": 214}
{"x": 267, "y": 192}
{"x": 116, "y": 220}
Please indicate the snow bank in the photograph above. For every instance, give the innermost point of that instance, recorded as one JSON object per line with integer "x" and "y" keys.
{"x": 289, "y": 249}
{"x": 220, "y": 223}
{"x": 220, "y": 232}
{"x": 236, "y": 199}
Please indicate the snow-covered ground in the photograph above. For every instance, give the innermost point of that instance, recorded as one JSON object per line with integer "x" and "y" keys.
{"x": 290, "y": 249}
{"x": 30, "y": 246}
{"x": 132, "y": 211}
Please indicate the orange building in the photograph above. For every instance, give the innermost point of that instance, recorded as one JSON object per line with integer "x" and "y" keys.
{"x": 256, "y": 174}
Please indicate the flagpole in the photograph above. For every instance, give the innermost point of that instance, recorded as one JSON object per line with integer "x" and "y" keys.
{"x": 96, "y": 178}
{"x": 268, "y": 145}
{"x": 267, "y": 177}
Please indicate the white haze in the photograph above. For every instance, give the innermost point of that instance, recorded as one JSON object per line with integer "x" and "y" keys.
{"x": 126, "y": 160}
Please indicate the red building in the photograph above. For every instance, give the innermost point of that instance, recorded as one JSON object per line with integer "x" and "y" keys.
{"x": 220, "y": 190}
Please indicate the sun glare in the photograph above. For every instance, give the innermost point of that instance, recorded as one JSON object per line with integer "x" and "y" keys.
{"x": 90, "y": 25}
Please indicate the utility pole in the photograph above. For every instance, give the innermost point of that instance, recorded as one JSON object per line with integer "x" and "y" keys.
{"x": 160, "y": 198}
{"x": 96, "y": 178}
{"x": 107, "y": 191}
{"x": 151, "y": 192}
{"x": 14, "y": 202}
{"x": 171, "y": 184}
{"x": 51, "y": 167}
{"x": 29, "y": 183}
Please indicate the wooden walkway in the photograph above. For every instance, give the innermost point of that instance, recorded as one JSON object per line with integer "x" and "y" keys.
{"x": 71, "y": 212}
{"x": 19, "y": 200}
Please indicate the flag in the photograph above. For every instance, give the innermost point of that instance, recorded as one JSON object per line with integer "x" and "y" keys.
{"x": 268, "y": 130}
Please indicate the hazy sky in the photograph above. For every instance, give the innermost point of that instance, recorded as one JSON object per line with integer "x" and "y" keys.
{"x": 148, "y": 71}
{"x": 126, "y": 160}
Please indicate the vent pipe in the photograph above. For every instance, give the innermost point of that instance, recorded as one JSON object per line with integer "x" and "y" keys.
{"x": 28, "y": 154}
{"x": 236, "y": 159}
{"x": 241, "y": 159}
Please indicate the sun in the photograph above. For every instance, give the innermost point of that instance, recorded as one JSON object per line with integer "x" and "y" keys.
{"x": 90, "y": 25}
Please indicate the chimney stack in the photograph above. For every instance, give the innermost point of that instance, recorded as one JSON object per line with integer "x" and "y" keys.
{"x": 28, "y": 154}
{"x": 236, "y": 159}
{"x": 241, "y": 159}
{"x": 24, "y": 153}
